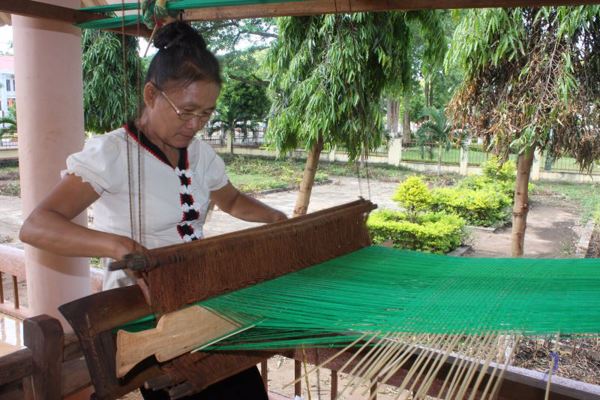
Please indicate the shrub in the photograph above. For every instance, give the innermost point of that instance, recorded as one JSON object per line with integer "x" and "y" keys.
{"x": 431, "y": 232}
{"x": 493, "y": 170}
{"x": 413, "y": 195}
{"x": 481, "y": 207}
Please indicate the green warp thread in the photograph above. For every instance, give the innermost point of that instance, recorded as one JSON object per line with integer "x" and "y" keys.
{"x": 385, "y": 290}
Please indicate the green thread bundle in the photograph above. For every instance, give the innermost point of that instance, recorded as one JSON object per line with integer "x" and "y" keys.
{"x": 383, "y": 291}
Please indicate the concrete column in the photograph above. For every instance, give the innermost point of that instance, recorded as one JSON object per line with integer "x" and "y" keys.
{"x": 537, "y": 165}
{"x": 395, "y": 152}
{"x": 332, "y": 155}
{"x": 50, "y": 120}
{"x": 464, "y": 161}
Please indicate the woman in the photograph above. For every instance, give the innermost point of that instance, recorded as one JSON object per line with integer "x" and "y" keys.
{"x": 176, "y": 174}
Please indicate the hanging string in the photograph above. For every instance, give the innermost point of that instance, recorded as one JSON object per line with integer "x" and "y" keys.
{"x": 125, "y": 114}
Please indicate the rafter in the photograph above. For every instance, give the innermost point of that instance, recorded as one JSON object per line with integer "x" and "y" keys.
{"x": 314, "y": 7}
{"x": 37, "y": 9}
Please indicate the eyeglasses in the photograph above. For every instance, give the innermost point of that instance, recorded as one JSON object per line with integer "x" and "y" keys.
{"x": 184, "y": 115}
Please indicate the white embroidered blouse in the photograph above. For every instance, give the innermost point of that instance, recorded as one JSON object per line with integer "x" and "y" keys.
{"x": 173, "y": 202}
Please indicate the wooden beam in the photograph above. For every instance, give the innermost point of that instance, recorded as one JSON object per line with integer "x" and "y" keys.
{"x": 315, "y": 7}
{"x": 38, "y": 9}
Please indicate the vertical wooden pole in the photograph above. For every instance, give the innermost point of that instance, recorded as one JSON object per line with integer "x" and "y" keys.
{"x": 16, "y": 291}
{"x": 1, "y": 288}
{"x": 44, "y": 336}
{"x": 334, "y": 384}
{"x": 297, "y": 375}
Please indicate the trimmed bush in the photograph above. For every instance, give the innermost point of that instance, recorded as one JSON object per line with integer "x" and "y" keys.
{"x": 431, "y": 232}
{"x": 414, "y": 195}
{"x": 481, "y": 207}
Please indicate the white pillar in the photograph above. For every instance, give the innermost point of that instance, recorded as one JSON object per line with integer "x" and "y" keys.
{"x": 50, "y": 120}
{"x": 537, "y": 165}
{"x": 464, "y": 160}
{"x": 395, "y": 152}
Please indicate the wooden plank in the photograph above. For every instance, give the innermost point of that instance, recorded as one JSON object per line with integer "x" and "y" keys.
{"x": 38, "y": 9}
{"x": 316, "y": 7}
{"x": 15, "y": 366}
{"x": 75, "y": 376}
{"x": 175, "y": 334}
{"x": 13, "y": 261}
{"x": 8, "y": 308}
{"x": 43, "y": 335}
{"x": 205, "y": 268}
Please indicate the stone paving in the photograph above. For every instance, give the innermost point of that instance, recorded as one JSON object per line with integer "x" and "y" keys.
{"x": 340, "y": 190}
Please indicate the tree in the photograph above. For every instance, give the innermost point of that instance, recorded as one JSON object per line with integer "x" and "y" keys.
{"x": 243, "y": 102}
{"x": 327, "y": 77}
{"x": 110, "y": 82}
{"x": 532, "y": 82}
{"x": 226, "y": 35}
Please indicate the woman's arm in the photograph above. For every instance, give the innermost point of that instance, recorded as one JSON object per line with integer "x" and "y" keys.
{"x": 241, "y": 206}
{"x": 49, "y": 226}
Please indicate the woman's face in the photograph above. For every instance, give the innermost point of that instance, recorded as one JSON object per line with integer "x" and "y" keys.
{"x": 176, "y": 112}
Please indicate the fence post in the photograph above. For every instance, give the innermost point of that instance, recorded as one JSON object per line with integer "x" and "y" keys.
{"x": 464, "y": 160}
{"x": 537, "y": 163}
{"x": 332, "y": 154}
{"x": 395, "y": 152}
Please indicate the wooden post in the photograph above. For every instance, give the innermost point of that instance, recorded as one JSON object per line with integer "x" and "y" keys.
{"x": 334, "y": 384}
{"x": 44, "y": 336}
{"x": 297, "y": 375}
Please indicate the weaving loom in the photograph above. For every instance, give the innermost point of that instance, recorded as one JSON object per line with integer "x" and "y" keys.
{"x": 381, "y": 310}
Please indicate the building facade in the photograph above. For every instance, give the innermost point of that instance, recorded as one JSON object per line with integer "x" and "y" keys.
{"x": 7, "y": 84}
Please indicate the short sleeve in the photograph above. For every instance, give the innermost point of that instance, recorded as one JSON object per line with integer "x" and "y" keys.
{"x": 97, "y": 164}
{"x": 216, "y": 178}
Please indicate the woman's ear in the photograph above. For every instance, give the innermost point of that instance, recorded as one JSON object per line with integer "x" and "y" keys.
{"x": 150, "y": 94}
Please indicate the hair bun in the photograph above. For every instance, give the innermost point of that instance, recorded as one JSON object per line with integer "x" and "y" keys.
{"x": 178, "y": 34}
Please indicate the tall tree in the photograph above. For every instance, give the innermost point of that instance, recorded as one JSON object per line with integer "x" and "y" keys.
{"x": 532, "y": 82}
{"x": 243, "y": 103}
{"x": 328, "y": 74}
{"x": 111, "y": 78}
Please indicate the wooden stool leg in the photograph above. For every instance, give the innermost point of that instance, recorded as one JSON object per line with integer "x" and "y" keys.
{"x": 297, "y": 375}
{"x": 264, "y": 373}
{"x": 44, "y": 336}
{"x": 334, "y": 384}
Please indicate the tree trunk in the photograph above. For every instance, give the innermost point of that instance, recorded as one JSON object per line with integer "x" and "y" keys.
{"x": 440, "y": 152}
{"x": 427, "y": 92}
{"x": 406, "y": 134}
{"x": 308, "y": 178}
{"x": 521, "y": 203}
{"x": 392, "y": 117}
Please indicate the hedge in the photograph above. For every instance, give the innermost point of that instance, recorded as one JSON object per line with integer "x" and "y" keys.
{"x": 431, "y": 232}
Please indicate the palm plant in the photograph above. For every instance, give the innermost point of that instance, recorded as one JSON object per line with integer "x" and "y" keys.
{"x": 436, "y": 130}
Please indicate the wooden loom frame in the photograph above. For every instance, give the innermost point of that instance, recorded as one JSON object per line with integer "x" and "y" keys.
{"x": 95, "y": 317}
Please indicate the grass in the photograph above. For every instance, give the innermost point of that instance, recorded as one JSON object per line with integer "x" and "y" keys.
{"x": 586, "y": 195}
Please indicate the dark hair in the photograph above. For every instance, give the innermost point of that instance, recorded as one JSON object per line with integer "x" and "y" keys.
{"x": 182, "y": 56}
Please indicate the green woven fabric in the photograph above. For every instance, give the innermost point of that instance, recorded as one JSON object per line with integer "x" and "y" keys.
{"x": 384, "y": 290}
